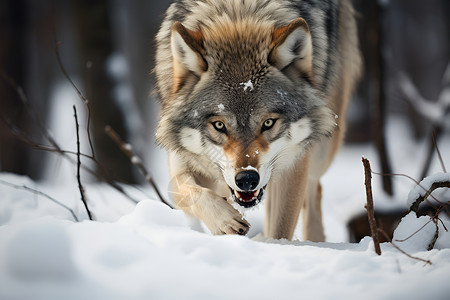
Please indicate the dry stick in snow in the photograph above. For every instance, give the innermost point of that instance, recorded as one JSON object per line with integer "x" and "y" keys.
{"x": 80, "y": 186}
{"x": 370, "y": 211}
{"x": 36, "y": 192}
{"x": 369, "y": 205}
{"x": 135, "y": 160}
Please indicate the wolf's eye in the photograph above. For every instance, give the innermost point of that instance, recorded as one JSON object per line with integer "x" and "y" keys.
{"x": 268, "y": 124}
{"x": 219, "y": 126}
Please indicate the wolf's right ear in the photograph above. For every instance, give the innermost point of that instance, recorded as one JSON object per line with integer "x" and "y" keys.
{"x": 291, "y": 44}
{"x": 187, "y": 52}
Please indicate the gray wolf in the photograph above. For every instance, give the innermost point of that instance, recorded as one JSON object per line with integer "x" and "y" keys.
{"x": 253, "y": 99}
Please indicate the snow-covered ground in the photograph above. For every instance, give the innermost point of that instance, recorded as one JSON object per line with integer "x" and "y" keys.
{"x": 149, "y": 251}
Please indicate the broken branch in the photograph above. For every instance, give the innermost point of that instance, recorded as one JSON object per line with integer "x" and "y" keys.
{"x": 369, "y": 205}
{"x": 135, "y": 160}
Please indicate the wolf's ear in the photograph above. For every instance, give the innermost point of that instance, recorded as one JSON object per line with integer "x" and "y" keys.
{"x": 187, "y": 52}
{"x": 292, "y": 44}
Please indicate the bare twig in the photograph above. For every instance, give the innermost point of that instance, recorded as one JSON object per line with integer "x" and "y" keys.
{"x": 436, "y": 132}
{"x": 88, "y": 126}
{"x": 36, "y": 192}
{"x": 369, "y": 205}
{"x": 399, "y": 249}
{"x": 413, "y": 180}
{"x": 435, "y": 237}
{"x": 80, "y": 95}
{"x": 64, "y": 153}
{"x": 29, "y": 110}
{"x": 439, "y": 152}
{"x": 135, "y": 160}
{"x": 80, "y": 186}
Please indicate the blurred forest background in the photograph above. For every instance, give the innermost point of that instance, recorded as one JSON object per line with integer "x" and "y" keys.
{"x": 107, "y": 48}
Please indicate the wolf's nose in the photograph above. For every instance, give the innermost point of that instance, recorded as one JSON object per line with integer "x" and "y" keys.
{"x": 247, "y": 180}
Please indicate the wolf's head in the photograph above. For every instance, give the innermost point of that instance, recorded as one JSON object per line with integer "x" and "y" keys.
{"x": 244, "y": 100}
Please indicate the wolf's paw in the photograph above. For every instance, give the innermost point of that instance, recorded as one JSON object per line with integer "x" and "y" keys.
{"x": 234, "y": 226}
{"x": 224, "y": 219}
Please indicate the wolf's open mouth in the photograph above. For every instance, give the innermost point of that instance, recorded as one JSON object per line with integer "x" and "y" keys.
{"x": 248, "y": 199}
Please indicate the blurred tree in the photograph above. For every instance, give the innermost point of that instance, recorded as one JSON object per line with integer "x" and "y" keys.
{"x": 14, "y": 155}
{"x": 415, "y": 39}
{"x": 94, "y": 38}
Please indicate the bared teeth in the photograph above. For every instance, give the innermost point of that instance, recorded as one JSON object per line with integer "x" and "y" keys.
{"x": 248, "y": 199}
{"x": 243, "y": 196}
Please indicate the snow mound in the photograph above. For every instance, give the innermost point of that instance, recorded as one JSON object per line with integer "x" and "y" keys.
{"x": 40, "y": 250}
{"x": 149, "y": 212}
{"x": 408, "y": 236}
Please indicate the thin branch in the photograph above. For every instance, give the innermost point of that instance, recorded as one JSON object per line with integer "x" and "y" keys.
{"x": 80, "y": 95}
{"x": 399, "y": 249}
{"x": 135, "y": 160}
{"x": 413, "y": 180}
{"x": 36, "y": 192}
{"x": 29, "y": 110}
{"x": 439, "y": 152}
{"x": 435, "y": 237}
{"x": 369, "y": 205}
{"x": 80, "y": 186}
{"x": 64, "y": 153}
{"x": 436, "y": 133}
{"x": 88, "y": 126}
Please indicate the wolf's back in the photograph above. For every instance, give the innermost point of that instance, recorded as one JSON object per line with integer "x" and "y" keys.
{"x": 331, "y": 24}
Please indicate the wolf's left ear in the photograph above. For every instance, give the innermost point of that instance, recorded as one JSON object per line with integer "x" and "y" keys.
{"x": 292, "y": 44}
{"x": 187, "y": 52}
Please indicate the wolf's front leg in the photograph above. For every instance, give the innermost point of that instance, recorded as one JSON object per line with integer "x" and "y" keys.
{"x": 286, "y": 196}
{"x": 218, "y": 215}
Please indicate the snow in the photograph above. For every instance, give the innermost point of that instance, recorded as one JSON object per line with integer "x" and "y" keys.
{"x": 150, "y": 251}
{"x": 136, "y": 160}
{"x": 247, "y": 85}
{"x": 408, "y": 238}
{"x": 247, "y": 168}
{"x": 220, "y": 109}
